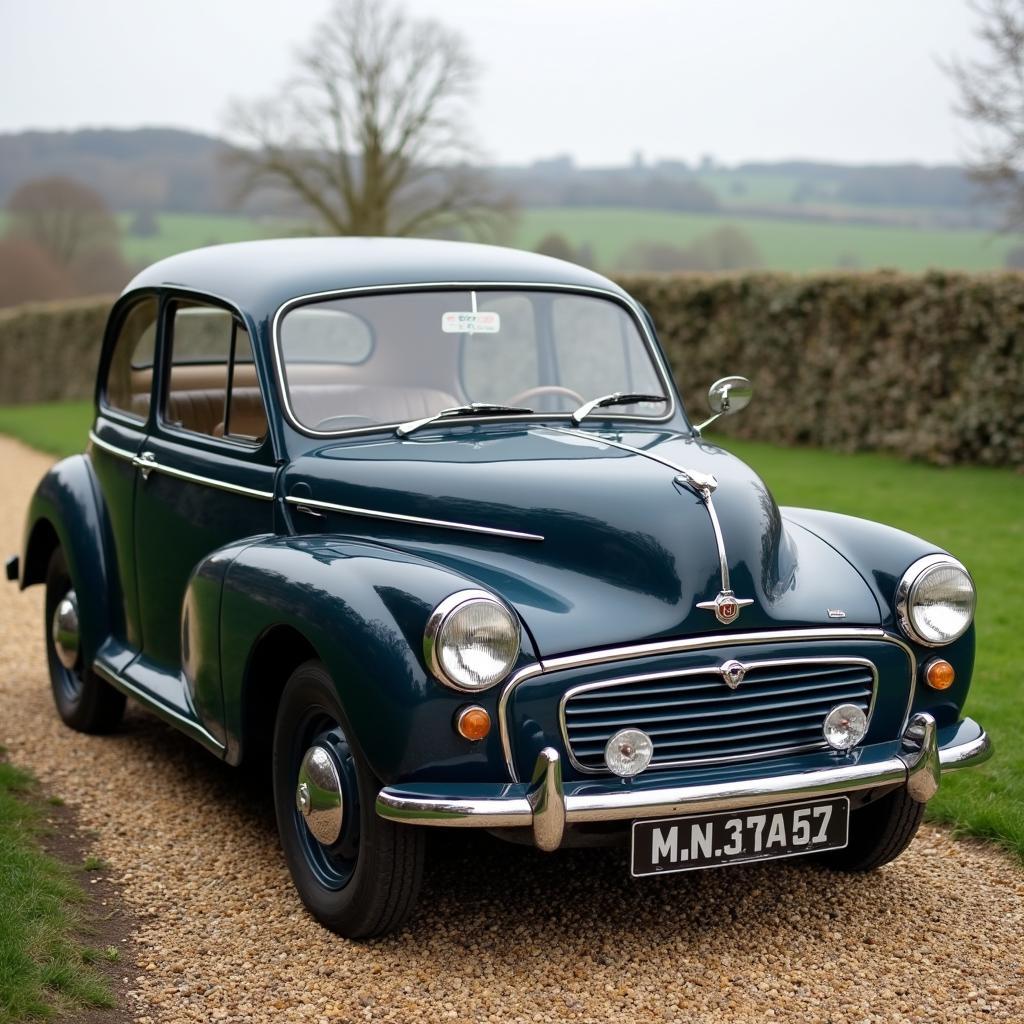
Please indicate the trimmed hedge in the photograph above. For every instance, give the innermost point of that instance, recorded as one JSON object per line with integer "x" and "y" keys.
{"x": 929, "y": 367}
{"x": 48, "y": 351}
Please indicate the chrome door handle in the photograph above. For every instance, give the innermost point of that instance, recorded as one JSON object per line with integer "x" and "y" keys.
{"x": 146, "y": 462}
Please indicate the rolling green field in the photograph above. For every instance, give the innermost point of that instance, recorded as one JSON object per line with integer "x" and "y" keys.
{"x": 181, "y": 231}
{"x": 788, "y": 245}
{"x": 978, "y": 514}
{"x": 784, "y": 244}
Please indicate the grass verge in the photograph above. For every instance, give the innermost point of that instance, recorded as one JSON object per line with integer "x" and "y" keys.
{"x": 57, "y": 428}
{"x": 44, "y": 968}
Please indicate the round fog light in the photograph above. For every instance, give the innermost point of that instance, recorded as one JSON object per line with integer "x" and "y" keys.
{"x": 628, "y": 752}
{"x": 845, "y": 726}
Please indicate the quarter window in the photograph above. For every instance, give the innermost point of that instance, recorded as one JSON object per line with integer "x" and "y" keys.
{"x": 129, "y": 382}
{"x": 212, "y": 387}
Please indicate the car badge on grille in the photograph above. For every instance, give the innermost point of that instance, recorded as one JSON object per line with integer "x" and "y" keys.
{"x": 727, "y": 606}
{"x": 733, "y": 673}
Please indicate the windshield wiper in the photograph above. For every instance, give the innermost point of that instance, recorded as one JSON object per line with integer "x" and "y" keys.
{"x": 618, "y": 398}
{"x": 473, "y": 409}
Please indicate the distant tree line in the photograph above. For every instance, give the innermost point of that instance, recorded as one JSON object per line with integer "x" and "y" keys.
{"x": 60, "y": 240}
{"x": 184, "y": 172}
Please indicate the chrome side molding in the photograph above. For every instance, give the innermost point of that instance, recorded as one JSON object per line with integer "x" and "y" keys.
{"x": 307, "y": 504}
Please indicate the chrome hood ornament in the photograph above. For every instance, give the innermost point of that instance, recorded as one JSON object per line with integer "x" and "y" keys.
{"x": 726, "y": 606}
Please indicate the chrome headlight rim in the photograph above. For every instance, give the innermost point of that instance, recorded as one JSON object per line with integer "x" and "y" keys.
{"x": 436, "y": 623}
{"x": 907, "y": 591}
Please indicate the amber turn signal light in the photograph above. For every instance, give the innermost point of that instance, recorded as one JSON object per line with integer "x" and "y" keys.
{"x": 473, "y": 722}
{"x": 939, "y": 674}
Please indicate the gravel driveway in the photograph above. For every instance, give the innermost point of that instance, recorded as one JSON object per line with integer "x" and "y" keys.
{"x": 503, "y": 933}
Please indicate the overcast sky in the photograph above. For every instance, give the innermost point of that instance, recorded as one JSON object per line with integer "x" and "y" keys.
{"x": 849, "y": 80}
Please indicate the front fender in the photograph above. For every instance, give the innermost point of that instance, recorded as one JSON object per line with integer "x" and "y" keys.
{"x": 882, "y": 554}
{"x": 66, "y": 507}
{"x": 363, "y": 607}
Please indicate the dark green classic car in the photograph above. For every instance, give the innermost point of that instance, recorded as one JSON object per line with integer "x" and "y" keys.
{"x": 426, "y": 524}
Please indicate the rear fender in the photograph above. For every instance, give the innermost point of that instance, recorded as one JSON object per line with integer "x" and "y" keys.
{"x": 66, "y": 509}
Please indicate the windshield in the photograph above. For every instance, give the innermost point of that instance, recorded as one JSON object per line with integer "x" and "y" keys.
{"x": 376, "y": 360}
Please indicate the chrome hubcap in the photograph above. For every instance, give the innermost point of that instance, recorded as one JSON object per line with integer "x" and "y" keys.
{"x": 318, "y": 796}
{"x": 64, "y": 630}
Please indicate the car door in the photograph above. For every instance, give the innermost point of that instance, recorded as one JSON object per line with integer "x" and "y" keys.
{"x": 124, "y": 405}
{"x": 206, "y": 478}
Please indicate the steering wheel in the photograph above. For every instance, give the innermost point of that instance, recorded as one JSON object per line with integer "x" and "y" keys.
{"x": 546, "y": 389}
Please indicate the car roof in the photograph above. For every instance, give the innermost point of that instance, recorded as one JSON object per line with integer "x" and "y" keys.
{"x": 259, "y": 276}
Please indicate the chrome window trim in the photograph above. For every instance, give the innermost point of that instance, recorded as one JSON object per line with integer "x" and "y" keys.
{"x": 609, "y": 655}
{"x": 151, "y": 465}
{"x": 437, "y": 619}
{"x": 622, "y": 299}
{"x": 112, "y": 449}
{"x": 399, "y": 517}
{"x": 163, "y": 710}
{"x": 710, "y": 670}
{"x": 907, "y": 588}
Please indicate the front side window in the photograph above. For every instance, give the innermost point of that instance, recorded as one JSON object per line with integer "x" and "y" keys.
{"x": 365, "y": 361}
{"x": 212, "y": 387}
{"x": 129, "y": 382}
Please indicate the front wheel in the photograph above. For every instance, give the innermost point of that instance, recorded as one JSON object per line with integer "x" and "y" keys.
{"x": 879, "y": 833}
{"x": 356, "y": 873}
{"x": 84, "y": 701}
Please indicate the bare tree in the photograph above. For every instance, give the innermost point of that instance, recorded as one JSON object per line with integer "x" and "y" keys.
{"x": 63, "y": 217}
{"x": 371, "y": 134}
{"x": 991, "y": 99}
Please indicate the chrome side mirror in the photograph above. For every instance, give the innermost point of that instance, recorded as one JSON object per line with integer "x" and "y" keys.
{"x": 727, "y": 396}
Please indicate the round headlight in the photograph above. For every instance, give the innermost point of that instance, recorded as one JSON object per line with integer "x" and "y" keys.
{"x": 935, "y": 600}
{"x": 471, "y": 641}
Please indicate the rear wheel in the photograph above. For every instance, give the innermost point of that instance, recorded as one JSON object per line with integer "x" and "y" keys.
{"x": 879, "y": 833}
{"x": 356, "y": 873}
{"x": 84, "y": 701}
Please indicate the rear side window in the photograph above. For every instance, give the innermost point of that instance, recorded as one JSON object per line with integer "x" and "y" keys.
{"x": 212, "y": 387}
{"x": 129, "y": 382}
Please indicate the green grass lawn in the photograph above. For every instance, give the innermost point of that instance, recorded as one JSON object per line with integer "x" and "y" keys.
{"x": 978, "y": 514}
{"x": 43, "y": 967}
{"x": 783, "y": 244}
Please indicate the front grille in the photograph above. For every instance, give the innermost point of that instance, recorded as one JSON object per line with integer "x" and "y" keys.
{"x": 693, "y": 717}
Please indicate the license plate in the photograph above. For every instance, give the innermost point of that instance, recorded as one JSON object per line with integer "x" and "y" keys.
{"x": 736, "y": 837}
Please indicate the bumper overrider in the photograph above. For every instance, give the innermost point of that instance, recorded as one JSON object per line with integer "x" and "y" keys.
{"x": 547, "y": 805}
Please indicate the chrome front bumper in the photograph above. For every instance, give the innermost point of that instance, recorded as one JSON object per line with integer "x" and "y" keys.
{"x": 547, "y": 806}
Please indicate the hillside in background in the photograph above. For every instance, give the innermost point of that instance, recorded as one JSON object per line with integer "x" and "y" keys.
{"x": 172, "y": 191}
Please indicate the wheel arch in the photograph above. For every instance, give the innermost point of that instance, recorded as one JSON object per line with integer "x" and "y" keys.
{"x": 66, "y": 510}
{"x": 277, "y": 652}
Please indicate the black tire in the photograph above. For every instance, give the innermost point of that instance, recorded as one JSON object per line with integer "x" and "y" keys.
{"x": 879, "y": 833}
{"x": 84, "y": 701}
{"x": 365, "y": 883}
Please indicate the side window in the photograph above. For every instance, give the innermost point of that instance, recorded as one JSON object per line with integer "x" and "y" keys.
{"x": 212, "y": 387}
{"x": 129, "y": 382}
